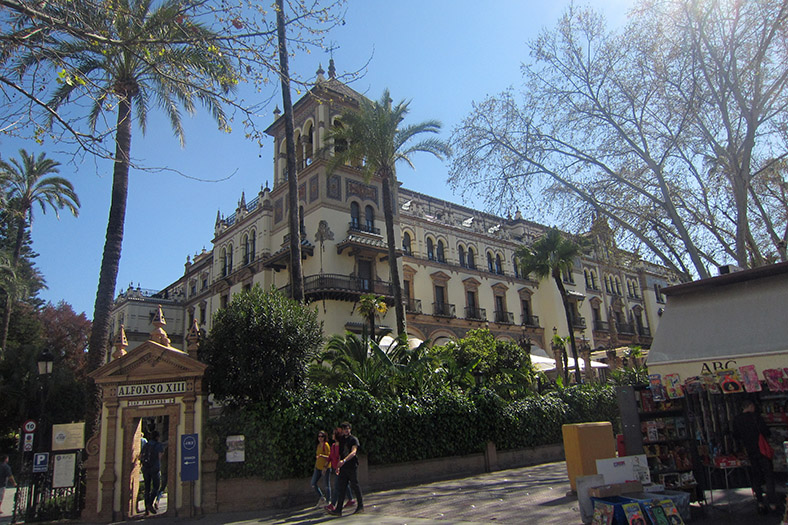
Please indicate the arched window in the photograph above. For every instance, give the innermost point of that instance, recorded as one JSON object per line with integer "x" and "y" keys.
{"x": 461, "y": 254}
{"x": 246, "y": 249}
{"x": 441, "y": 252}
{"x": 369, "y": 217}
{"x": 340, "y": 146}
{"x": 516, "y": 266}
{"x": 355, "y": 213}
{"x": 471, "y": 259}
{"x": 406, "y": 243}
{"x": 309, "y": 140}
{"x": 430, "y": 250}
{"x": 252, "y": 245}
{"x": 608, "y": 287}
{"x": 299, "y": 151}
{"x": 490, "y": 263}
{"x": 498, "y": 265}
{"x": 229, "y": 259}
{"x": 618, "y": 286}
{"x": 224, "y": 262}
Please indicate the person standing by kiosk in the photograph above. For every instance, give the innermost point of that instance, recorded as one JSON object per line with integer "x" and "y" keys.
{"x": 748, "y": 427}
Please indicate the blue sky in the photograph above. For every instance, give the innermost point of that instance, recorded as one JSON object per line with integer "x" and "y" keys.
{"x": 441, "y": 54}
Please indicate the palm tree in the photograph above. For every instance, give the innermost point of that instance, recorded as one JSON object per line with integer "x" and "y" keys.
{"x": 27, "y": 184}
{"x": 373, "y": 135}
{"x": 166, "y": 60}
{"x": 549, "y": 257}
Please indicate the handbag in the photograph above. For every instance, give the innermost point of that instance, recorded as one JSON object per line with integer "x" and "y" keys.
{"x": 764, "y": 446}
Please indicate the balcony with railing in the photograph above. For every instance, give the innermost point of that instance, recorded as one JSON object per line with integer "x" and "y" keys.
{"x": 625, "y": 328}
{"x": 364, "y": 228}
{"x": 341, "y": 287}
{"x": 503, "y": 317}
{"x": 443, "y": 310}
{"x": 644, "y": 331}
{"x": 531, "y": 321}
{"x": 413, "y": 306}
{"x": 601, "y": 326}
{"x": 579, "y": 323}
{"x": 475, "y": 313}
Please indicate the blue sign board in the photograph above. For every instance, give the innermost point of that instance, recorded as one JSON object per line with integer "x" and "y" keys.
{"x": 190, "y": 457}
{"x": 40, "y": 461}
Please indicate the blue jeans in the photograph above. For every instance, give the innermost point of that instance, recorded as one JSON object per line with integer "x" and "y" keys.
{"x": 333, "y": 489}
{"x": 315, "y": 478}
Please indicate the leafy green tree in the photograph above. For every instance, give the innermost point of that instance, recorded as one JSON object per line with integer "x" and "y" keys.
{"x": 376, "y": 141}
{"x": 163, "y": 49}
{"x": 260, "y": 344}
{"x": 501, "y": 365}
{"x": 27, "y": 182}
{"x": 550, "y": 256}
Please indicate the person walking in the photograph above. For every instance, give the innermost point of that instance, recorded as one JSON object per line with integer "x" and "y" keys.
{"x": 748, "y": 427}
{"x": 6, "y": 476}
{"x": 321, "y": 464}
{"x": 151, "y": 470}
{"x": 348, "y": 470}
{"x": 333, "y": 469}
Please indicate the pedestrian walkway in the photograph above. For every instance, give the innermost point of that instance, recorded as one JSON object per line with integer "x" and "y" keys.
{"x": 530, "y": 495}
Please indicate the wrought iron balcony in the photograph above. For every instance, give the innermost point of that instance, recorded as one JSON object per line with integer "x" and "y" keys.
{"x": 602, "y": 326}
{"x": 341, "y": 287}
{"x": 443, "y": 310}
{"x": 413, "y": 306}
{"x": 358, "y": 227}
{"x": 579, "y": 323}
{"x": 625, "y": 328}
{"x": 475, "y": 313}
{"x": 530, "y": 320}
{"x": 504, "y": 317}
{"x": 645, "y": 331}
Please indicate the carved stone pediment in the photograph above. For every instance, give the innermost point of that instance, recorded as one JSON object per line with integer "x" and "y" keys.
{"x": 150, "y": 362}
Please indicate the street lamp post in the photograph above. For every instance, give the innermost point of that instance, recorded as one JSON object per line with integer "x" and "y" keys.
{"x": 46, "y": 362}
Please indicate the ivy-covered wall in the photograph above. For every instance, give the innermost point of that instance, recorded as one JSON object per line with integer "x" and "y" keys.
{"x": 280, "y": 435}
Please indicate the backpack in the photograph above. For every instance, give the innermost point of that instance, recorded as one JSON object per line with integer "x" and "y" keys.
{"x": 146, "y": 456}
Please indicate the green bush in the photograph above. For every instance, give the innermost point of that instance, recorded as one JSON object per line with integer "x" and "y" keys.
{"x": 280, "y": 433}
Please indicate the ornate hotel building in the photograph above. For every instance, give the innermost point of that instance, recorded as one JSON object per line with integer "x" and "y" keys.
{"x": 457, "y": 263}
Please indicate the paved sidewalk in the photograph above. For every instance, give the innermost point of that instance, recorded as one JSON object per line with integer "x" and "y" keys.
{"x": 527, "y": 495}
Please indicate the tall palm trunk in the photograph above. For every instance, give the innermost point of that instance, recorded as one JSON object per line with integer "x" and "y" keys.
{"x": 296, "y": 272}
{"x": 99, "y": 336}
{"x": 21, "y": 226}
{"x": 391, "y": 240}
{"x": 570, "y": 322}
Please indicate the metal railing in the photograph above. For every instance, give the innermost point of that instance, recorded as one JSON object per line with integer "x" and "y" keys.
{"x": 358, "y": 227}
{"x": 625, "y": 328}
{"x": 443, "y": 310}
{"x": 504, "y": 317}
{"x": 602, "y": 326}
{"x": 579, "y": 323}
{"x": 338, "y": 282}
{"x": 645, "y": 331}
{"x": 413, "y": 306}
{"x": 475, "y": 313}
{"x": 530, "y": 320}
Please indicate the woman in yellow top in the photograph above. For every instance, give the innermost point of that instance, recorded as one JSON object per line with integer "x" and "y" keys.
{"x": 321, "y": 463}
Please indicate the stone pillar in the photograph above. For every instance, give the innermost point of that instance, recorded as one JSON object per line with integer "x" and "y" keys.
{"x": 585, "y": 353}
{"x": 558, "y": 355}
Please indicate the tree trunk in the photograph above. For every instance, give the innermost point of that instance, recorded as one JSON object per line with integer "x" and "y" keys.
{"x": 296, "y": 272}
{"x": 99, "y": 336}
{"x": 569, "y": 321}
{"x": 21, "y": 226}
{"x": 391, "y": 240}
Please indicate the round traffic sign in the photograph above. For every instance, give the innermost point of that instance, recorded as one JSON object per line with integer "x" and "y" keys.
{"x": 30, "y": 426}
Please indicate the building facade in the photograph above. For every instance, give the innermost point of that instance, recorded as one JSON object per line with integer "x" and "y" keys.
{"x": 457, "y": 264}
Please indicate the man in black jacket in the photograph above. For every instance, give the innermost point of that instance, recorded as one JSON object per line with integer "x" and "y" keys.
{"x": 348, "y": 470}
{"x": 747, "y": 428}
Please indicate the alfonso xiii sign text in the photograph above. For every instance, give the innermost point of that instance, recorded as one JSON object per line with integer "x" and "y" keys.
{"x": 173, "y": 387}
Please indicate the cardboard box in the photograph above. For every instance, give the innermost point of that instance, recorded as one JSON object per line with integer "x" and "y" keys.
{"x": 615, "y": 489}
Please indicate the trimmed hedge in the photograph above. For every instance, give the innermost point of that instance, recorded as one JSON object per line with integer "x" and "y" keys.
{"x": 280, "y": 434}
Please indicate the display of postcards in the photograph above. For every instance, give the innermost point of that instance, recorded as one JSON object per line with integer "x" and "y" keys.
{"x": 652, "y": 432}
{"x": 603, "y": 513}
{"x": 775, "y": 379}
{"x": 749, "y": 376}
{"x": 673, "y": 386}
{"x": 655, "y": 384}
{"x": 729, "y": 381}
{"x": 693, "y": 385}
{"x": 710, "y": 383}
{"x": 634, "y": 514}
{"x": 656, "y": 513}
{"x": 671, "y": 512}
